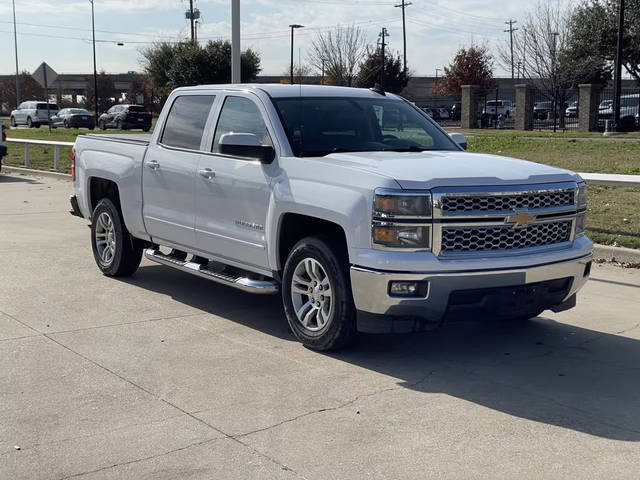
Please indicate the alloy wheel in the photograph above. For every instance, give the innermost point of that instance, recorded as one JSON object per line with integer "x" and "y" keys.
{"x": 311, "y": 294}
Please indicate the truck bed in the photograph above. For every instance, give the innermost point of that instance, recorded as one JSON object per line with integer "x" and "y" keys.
{"x": 136, "y": 138}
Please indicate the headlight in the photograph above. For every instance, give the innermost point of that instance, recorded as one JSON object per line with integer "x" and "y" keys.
{"x": 401, "y": 220}
{"x": 388, "y": 205}
{"x": 582, "y": 195}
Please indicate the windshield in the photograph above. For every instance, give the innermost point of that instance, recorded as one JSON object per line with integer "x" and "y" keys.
{"x": 323, "y": 125}
{"x": 43, "y": 106}
{"x": 493, "y": 103}
{"x": 543, "y": 105}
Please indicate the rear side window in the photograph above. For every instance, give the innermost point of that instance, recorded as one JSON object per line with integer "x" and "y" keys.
{"x": 136, "y": 108}
{"x": 43, "y": 106}
{"x": 186, "y": 120}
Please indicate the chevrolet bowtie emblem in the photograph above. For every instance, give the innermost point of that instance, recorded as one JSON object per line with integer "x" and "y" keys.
{"x": 520, "y": 219}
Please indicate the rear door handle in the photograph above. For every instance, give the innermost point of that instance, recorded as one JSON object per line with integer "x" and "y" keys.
{"x": 207, "y": 173}
{"x": 153, "y": 164}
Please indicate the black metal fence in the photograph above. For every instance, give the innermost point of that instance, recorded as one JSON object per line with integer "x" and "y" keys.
{"x": 629, "y": 108}
{"x": 555, "y": 110}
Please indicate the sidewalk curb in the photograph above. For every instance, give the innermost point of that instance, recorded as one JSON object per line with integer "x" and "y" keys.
{"x": 616, "y": 254}
{"x": 33, "y": 172}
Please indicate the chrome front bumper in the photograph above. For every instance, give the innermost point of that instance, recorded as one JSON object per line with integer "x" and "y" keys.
{"x": 371, "y": 287}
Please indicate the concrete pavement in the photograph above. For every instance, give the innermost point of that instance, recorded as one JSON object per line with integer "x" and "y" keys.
{"x": 166, "y": 375}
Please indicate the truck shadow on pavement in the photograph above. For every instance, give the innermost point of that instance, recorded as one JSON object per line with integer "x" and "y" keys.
{"x": 541, "y": 370}
{"x": 15, "y": 179}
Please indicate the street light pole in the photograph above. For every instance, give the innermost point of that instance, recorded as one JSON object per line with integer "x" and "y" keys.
{"x": 95, "y": 69}
{"x": 618, "y": 70}
{"x": 235, "y": 42}
{"x": 15, "y": 42}
{"x": 293, "y": 27}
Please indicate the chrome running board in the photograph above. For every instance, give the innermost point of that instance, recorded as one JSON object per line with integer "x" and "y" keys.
{"x": 241, "y": 283}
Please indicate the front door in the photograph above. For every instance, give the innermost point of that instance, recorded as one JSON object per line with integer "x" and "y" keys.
{"x": 232, "y": 193}
{"x": 169, "y": 172}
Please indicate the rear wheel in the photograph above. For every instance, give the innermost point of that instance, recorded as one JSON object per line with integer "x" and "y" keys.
{"x": 29, "y": 122}
{"x": 119, "y": 125}
{"x": 116, "y": 252}
{"x": 13, "y": 122}
{"x": 102, "y": 125}
{"x": 316, "y": 293}
{"x": 66, "y": 124}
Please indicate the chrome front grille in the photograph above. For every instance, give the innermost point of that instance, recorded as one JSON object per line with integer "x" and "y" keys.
{"x": 473, "y": 239}
{"x": 472, "y": 221}
{"x": 528, "y": 200}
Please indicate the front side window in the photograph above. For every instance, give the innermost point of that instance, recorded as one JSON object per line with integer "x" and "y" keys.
{"x": 241, "y": 115}
{"x": 186, "y": 121}
{"x": 323, "y": 125}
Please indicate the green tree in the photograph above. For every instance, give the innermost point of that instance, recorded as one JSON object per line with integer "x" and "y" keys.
{"x": 595, "y": 30}
{"x": 470, "y": 66}
{"x": 176, "y": 65}
{"x": 394, "y": 77}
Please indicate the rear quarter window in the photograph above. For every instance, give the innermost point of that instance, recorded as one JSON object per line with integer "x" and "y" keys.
{"x": 186, "y": 121}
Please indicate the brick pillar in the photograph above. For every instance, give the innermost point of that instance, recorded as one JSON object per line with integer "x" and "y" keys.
{"x": 588, "y": 107}
{"x": 524, "y": 108}
{"x": 469, "y": 113}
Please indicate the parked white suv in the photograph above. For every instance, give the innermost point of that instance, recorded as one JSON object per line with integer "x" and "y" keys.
{"x": 33, "y": 114}
{"x": 352, "y": 203}
{"x": 497, "y": 107}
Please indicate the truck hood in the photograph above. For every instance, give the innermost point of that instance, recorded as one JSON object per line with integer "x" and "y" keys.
{"x": 429, "y": 169}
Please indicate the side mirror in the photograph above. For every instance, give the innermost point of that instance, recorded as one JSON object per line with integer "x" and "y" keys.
{"x": 246, "y": 145}
{"x": 459, "y": 139}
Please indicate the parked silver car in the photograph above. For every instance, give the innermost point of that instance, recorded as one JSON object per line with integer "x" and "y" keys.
{"x": 33, "y": 113}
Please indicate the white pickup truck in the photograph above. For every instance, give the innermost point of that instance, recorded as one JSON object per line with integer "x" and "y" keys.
{"x": 352, "y": 203}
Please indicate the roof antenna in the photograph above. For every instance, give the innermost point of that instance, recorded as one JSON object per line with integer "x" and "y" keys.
{"x": 377, "y": 89}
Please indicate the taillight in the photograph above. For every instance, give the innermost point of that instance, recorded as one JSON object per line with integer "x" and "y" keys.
{"x": 126, "y": 112}
{"x": 4, "y": 132}
{"x": 36, "y": 113}
{"x": 73, "y": 164}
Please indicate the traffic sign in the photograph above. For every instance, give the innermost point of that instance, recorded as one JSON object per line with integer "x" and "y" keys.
{"x": 45, "y": 75}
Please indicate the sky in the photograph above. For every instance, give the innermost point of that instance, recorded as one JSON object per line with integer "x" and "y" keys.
{"x": 59, "y": 31}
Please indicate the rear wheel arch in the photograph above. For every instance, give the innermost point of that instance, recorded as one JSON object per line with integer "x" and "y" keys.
{"x": 100, "y": 188}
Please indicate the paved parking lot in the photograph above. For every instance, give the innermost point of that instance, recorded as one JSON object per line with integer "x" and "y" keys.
{"x": 170, "y": 376}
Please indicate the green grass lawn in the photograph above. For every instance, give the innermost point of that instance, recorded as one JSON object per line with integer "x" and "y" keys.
{"x": 614, "y": 213}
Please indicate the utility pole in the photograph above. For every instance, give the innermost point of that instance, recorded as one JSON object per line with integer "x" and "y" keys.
{"x": 404, "y": 5}
{"x": 191, "y": 19}
{"x": 235, "y": 42}
{"x": 95, "y": 69}
{"x": 437, "y": 70}
{"x": 196, "y": 31}
{"x": 15, "y": 42}
{"x": 293, "y": 26}
{"x": 554, "y": 78}
{"x": 618, "y": 70}
{"x": 383, "y": 35}
{"x": 510, "y": 31}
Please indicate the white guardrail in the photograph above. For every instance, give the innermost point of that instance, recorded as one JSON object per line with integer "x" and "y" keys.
{"x": 56, "y": 149}
{"x": 605, "y": 179}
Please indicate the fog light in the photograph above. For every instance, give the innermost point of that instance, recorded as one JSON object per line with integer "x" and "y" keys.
{"x": 408, "y": 289}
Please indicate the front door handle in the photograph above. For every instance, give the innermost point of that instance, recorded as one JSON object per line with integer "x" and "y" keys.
{"x": 153, "y": 164}
{"x": 207, "y": 173}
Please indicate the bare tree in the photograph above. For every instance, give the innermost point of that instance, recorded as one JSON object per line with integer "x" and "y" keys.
{"x": 301, "y": 73}
{"x": 542, "y": 46}
{"x": 342, "y": 50}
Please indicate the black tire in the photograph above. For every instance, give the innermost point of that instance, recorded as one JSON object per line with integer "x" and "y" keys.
{"x": 340, "y": 328}
{"x": 126, "y": 258}
{"x": 37, "y": 125}
{"x": 29, "y": 122}
{"x": 119, "y": 125}
{"x": 146, "y": 129}
{"x": 13, "y": 122}
{"x": 628, "y": 124}
{"x": 66, "y": 124}
{"x": 92, "y": 128}
{"x": 102, "y": 125}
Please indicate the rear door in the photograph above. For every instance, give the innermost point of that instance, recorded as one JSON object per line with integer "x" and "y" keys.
{"x": 169, "y": 171}
{"x": 233, "y": 193}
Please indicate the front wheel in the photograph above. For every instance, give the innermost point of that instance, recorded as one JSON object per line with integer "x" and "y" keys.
{"x": 102, "y": 125}
{"x": 13, "y": 122}
{"x": 115, "y": 251}
{"x": 29, "y": 122}
{"x": 316, "y": 294}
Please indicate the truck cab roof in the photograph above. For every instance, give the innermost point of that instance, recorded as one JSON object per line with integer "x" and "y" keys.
{"x": 278, "y": 90}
